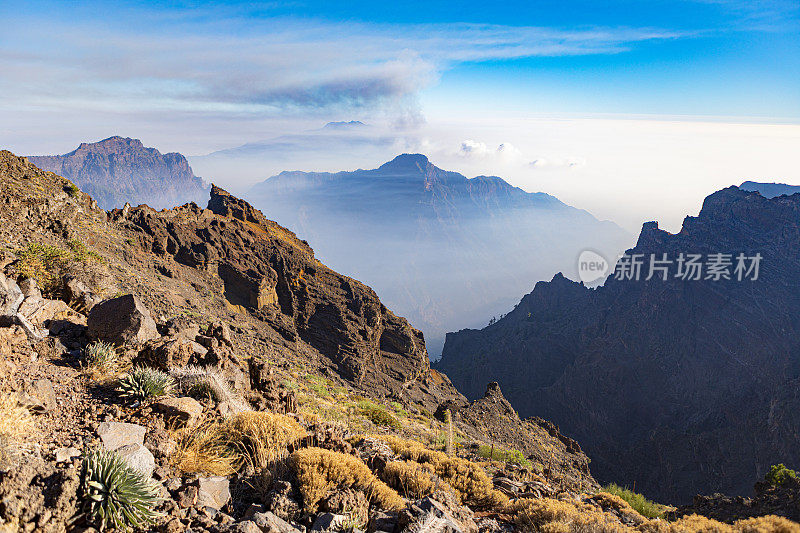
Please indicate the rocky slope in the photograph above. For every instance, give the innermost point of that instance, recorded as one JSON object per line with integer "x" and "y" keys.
{"x": 443, "y": 250}
{"x": 279, "y": 373}
{"x": 120, "y": 170}
{"x": 677, "y": 386}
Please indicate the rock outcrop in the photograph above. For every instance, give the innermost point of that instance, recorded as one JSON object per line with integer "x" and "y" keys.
{"x": 266, "y": 270}
{"x": 679, "y": 386}
{"x": 120, "y": 170}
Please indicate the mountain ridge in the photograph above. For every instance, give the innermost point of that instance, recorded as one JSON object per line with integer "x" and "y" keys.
{"x": 662, "y": 370}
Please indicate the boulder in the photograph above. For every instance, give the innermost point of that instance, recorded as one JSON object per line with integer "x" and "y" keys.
{"x": 167, "y": 352}
{"x": 270, "y": 523}
{"x": 118, "y": 434}
{"x": 329, "y": 522}
{"x": 122, "y": 320}
{"x": 280, "y": 501}
{"x": 66, "y": 454}
{"x": 185, "y": 410}
{"x": 139, "y": 458}
{"x": 213, "y": 492}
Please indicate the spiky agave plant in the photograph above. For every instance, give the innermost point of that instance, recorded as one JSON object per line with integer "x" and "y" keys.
{"x": 100, "y": 356}
{"x": 144, "y": 382}
{"x": 116, "y": 495}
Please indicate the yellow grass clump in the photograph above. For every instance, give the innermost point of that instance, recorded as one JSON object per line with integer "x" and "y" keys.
{"x": 263, "y": 438}
{"x": 612, "y": 501}
{"x": 15, "y": 419}
{"x": 412, "y": 479}
{"x": 554, "y": 516}
{"x": 468, "y": 480}
{"x": 220, "y": 448}
{"x": 205, "y": 449}
{"x": 320, "y": 471}
{"x": 767, "y": 524}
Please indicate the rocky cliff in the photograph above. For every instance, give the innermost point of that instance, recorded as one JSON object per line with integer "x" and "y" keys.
{"x": 120, "y": 170}
{"x": 679, "y": 386}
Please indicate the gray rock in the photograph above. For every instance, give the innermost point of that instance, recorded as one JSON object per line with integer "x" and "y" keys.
{"x": 380, "y": 521}
{"x": 214, "y": 492}
{"x": 66, "y": 454}
{"x": 270, "y": 523}
{"x": 77, "y": 292}
{"x": 243, "y": 527}
{"x": 40, "y": 395}
{"x": 121, "y": 320}
{"x": 184, "y": 409}
{"x": 139, "y": 458}
{"x": 30, "y": 288}
{"x": 118, "y": 434}
{"x": 10, "y": 296}
{"x": 329, "y": 522}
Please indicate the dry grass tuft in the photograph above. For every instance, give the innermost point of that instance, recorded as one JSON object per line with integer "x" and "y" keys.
{"x": 767, "y": 524}
{"x": 263, "y": 438}
{"x": 468, "y": 480}
{"x": 320, "y": 471}
{"x": 15, "y": 420}
{"x": 205, "y": 449}
{"x": 554, "y": 516}
{"x": 221, "y": 448}
{"x": 412, "y": 479}
{"x": 623, "y": 508}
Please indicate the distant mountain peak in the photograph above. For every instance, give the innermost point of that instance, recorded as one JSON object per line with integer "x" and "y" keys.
{"x": 119, "y": 170}
{"x": 407, "y": 162}
{"x": 770, "y": 190}
{"x": 344, "y": 125}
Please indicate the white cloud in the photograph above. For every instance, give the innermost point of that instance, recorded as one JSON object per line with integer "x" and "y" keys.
{"x": 268, "y": 66}
{"x": 557, "y": 162}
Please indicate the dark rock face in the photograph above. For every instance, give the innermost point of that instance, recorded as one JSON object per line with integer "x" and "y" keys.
{"x": 679, "y": 386}
{"x": 120, "y": 320}
{"x": 119, "y": 170}
{"x": 267, "y": 271}
{"x": 781, "y": 500}
{"x": 443, "y": 250}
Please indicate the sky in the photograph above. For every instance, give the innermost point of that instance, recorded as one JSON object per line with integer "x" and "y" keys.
{"x": 634, "y": 110}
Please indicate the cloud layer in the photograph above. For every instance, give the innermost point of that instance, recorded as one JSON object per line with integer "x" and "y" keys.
{"x": 271, "y": 65}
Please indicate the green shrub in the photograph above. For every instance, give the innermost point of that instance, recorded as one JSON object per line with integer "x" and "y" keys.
{"x": 47, "y": 264}
{"x": 377, "y": 414}
{"x": 511, "y": 456}
{"x": 145, "y": 382}
{"x": 116, "y": 495}
{"x": 640, "y": 504}
{"x": 72, "y": 189}
{"x": 779, "y": 474}
{"x": 100, "y": 357}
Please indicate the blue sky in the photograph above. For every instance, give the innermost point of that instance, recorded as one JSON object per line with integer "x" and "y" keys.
{"x": 727, "y": 58}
